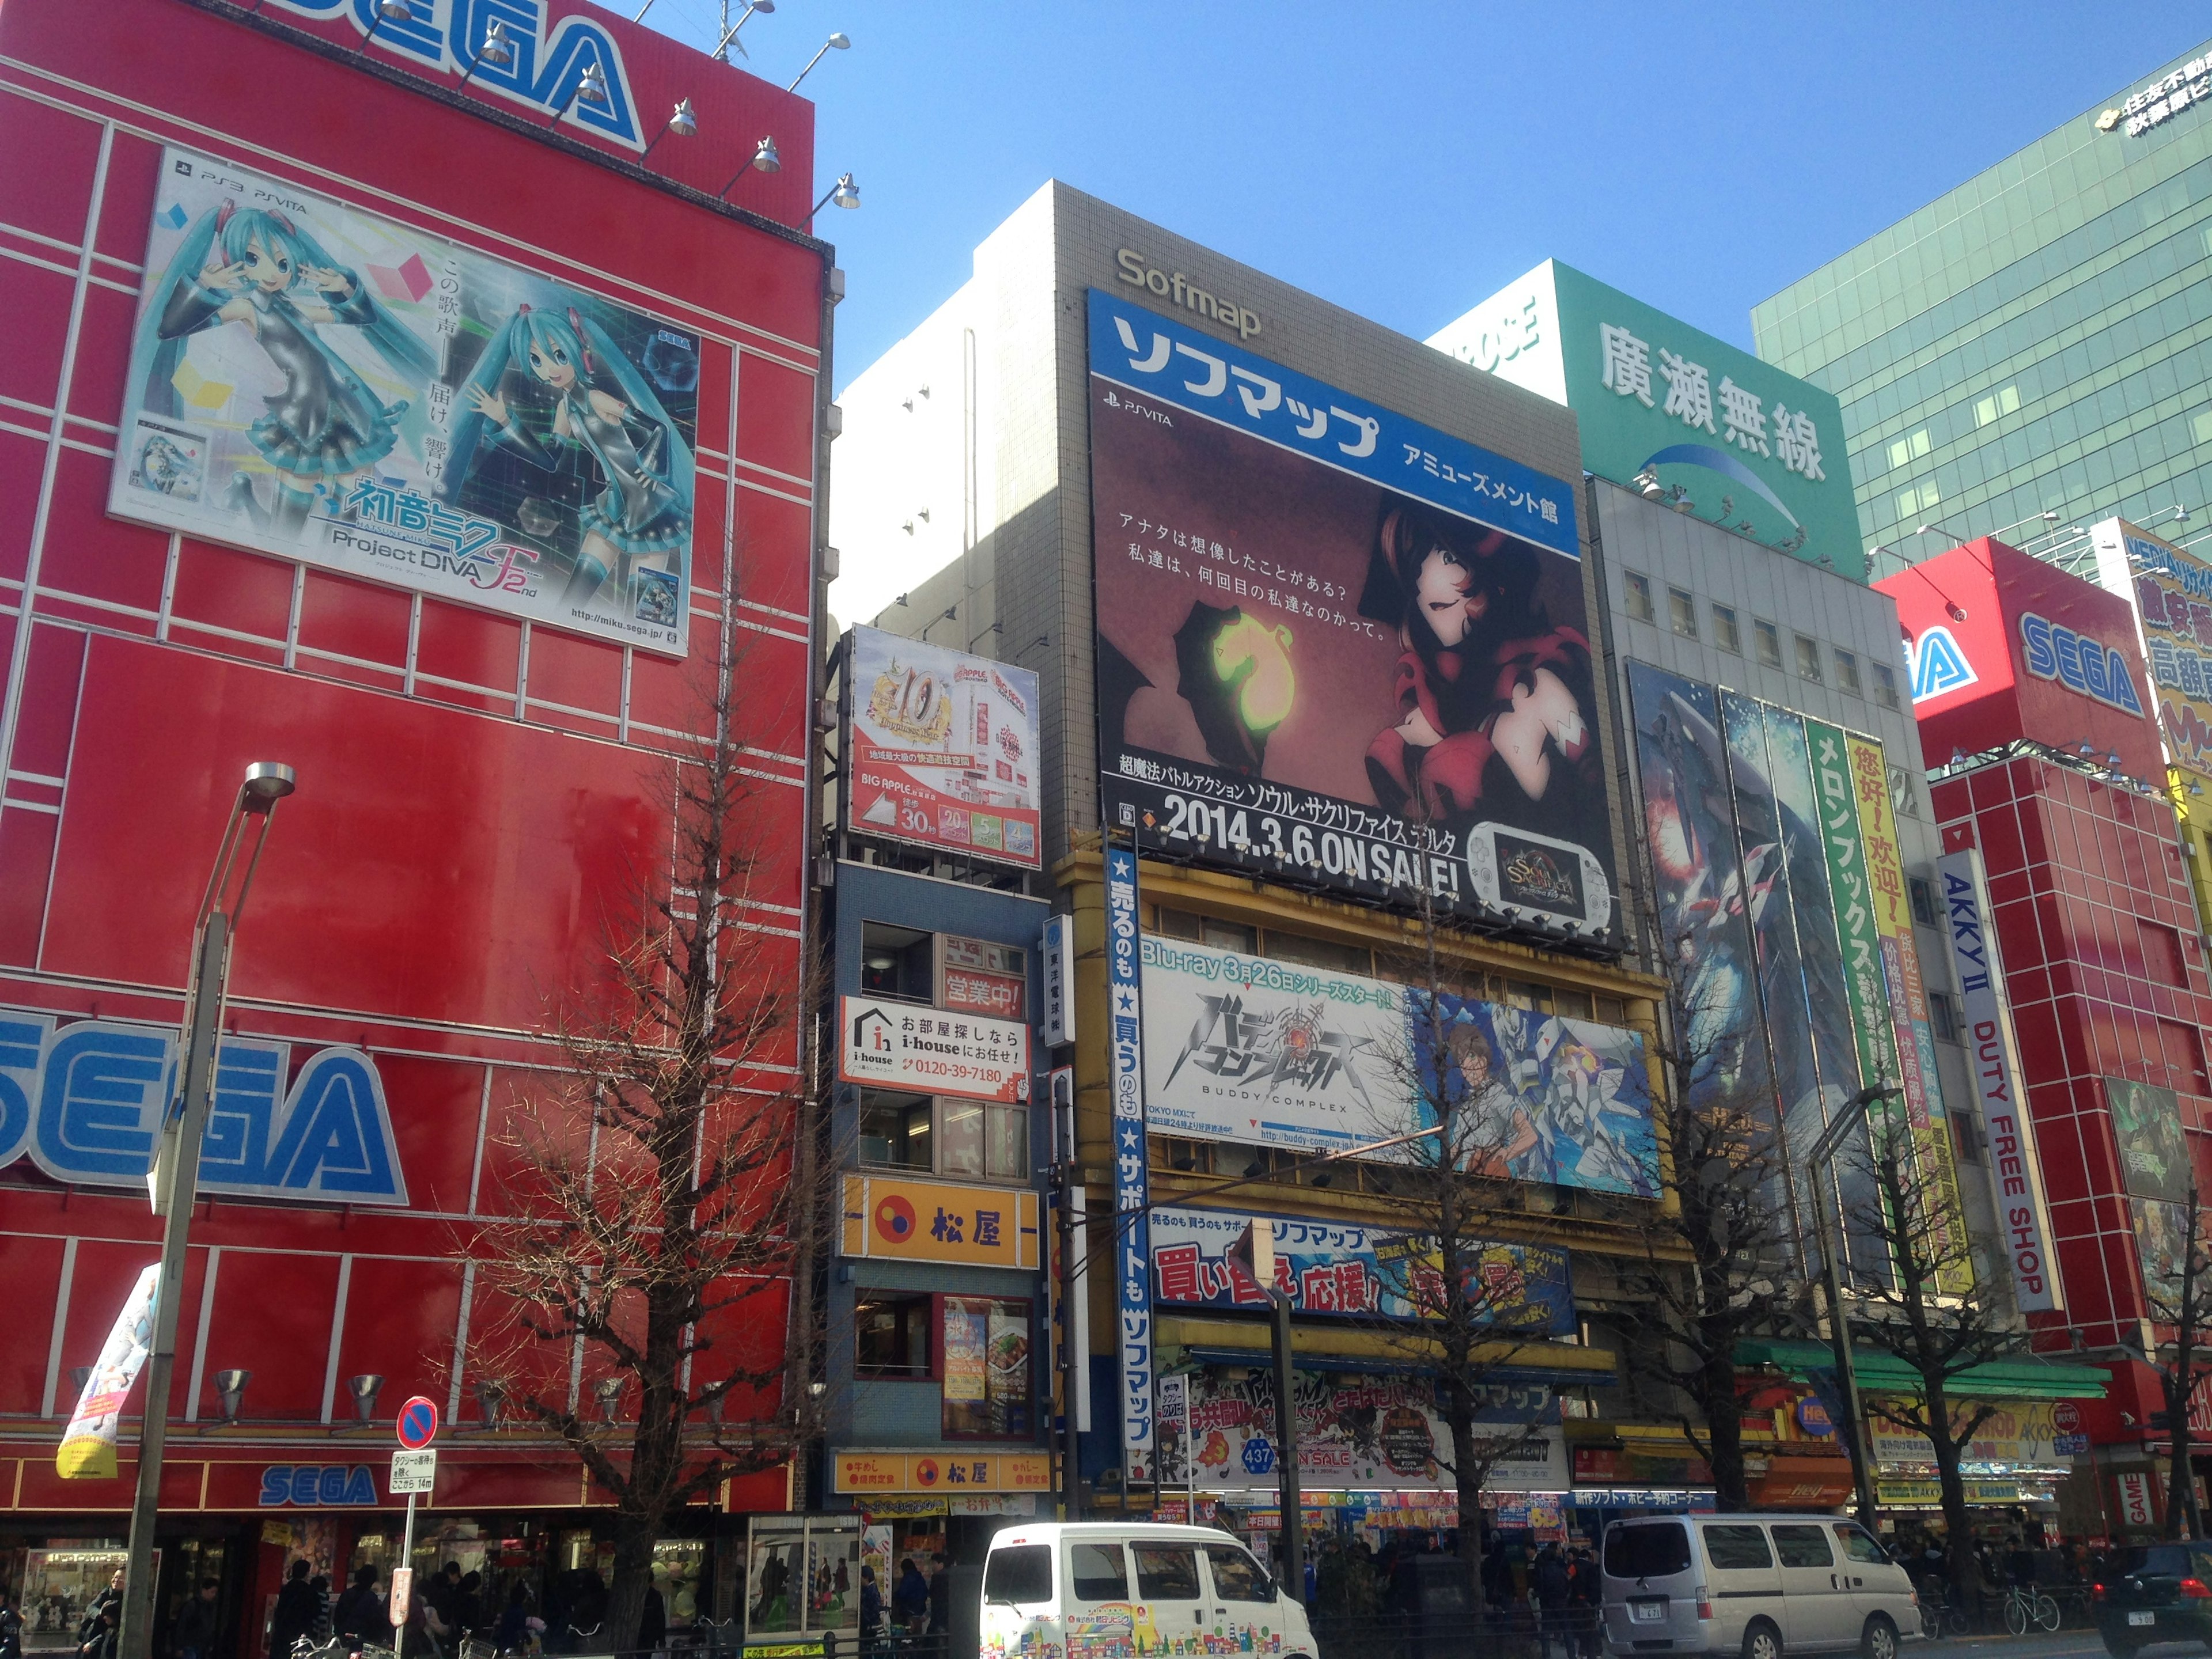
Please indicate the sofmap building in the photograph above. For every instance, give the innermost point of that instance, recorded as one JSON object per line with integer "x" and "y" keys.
{"x": 475, "y": 644}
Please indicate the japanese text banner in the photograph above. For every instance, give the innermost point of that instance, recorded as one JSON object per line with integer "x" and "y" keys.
{"x": 939, "y": 1221}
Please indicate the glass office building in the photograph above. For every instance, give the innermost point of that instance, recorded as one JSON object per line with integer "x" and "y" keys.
{"x": 2038, "y": 340}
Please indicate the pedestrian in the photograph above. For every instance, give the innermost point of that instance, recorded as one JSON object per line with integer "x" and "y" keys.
{"x": 95, "y": 1637}
{"x": 1586, "y": 1598}
{"x": 297, "y": 1609}
{"x": 514, "y": 1632}
{"x": 1332, "y": 1591}
{"x": 872, "y": 1603}
{"x": 193, "y": 1634}
{"x": 468, "y": 1606}
{"x": 11, "y": 1626}
{"x": 320, "y": 1583}
{"x": 360, "y": 1616}
{"x": 910, "y": 1596}
{"x": 652, "y": 1626}
{"x": 940, "y": 1593}
{"x": 1362, "y": 1588}
{"x": 1551, "y": 1584}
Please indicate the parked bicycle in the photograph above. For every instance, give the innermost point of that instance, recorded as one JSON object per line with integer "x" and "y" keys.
{"x": 1940, "y": 1615}
{"x": 2025, "y": 1604}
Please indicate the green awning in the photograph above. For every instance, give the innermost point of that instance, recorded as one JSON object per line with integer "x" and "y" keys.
{"x": 1884, "y": 1373}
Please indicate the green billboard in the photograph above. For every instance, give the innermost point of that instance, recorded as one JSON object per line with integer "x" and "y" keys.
{"x": 1666, "y": 409}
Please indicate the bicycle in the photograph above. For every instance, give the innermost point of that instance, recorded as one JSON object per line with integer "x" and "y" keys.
{"x": 1939, "y": 1615}
{"x": 2025, "y": 1604}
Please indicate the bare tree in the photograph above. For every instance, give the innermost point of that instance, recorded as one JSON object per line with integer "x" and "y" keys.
{"x": 1717, "y": 1249}
{"x": 670, "y": 1190}
{"x": 2179, "y": 1292}
{"x": 1940, "y": 1337}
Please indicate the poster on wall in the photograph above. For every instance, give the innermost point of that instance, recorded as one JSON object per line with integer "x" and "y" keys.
{"x": 2171, "y": 589}
{"x": 1336, "y": 646}
{"x": 1273, "y": 1054}
{"x": 943, "y": 747}
{"x": 2153, "y": 1147}
{"x": 316, "y": 382}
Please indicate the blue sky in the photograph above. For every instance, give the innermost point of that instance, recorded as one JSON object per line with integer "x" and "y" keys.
{"x": 1406, "y": 159}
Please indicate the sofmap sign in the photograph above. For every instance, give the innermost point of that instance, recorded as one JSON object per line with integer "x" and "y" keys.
{"x": 85, "y": 1102}
{"x": 2016, "y": 1178}
{"x": 1717, "y": 433}
{"x": 544, "y": 69}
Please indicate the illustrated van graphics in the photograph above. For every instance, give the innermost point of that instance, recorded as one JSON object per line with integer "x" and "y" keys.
{"x": 1120, "y": 1630}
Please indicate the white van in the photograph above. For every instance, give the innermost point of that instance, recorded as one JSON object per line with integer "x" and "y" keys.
{"x": 1758, "y": 1585}
{"x": 1065, "y": 1588}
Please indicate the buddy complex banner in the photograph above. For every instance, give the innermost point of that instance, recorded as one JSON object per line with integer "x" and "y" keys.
{"x": 1336, "y": 646}
{"x": 1268, "y": 1052}
{"x": 1773, "y": 849}
{"x": 943, "y": 748}
{"x": 321, "y": 384}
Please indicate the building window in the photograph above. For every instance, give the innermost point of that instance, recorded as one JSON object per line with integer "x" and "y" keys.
{"x": 1921, "y": 892}
{"x": 1909, "y": 449}
{"x": 1967, "y": 1143}
{"x": 897, "y": 962}
{"x": 1682, "y": 613}
{"x": 982, "y": 977}
{"x": 1943, "y": 1015}
{"x": 976, "y": 1140}
{"x": 1639, "y": 590}
{"x": 1847, "y": 671}
{"x": 1206, "y": 930}
{"x": 1910, "y": 503}
{"x": 1999, "y": 404}
{"x": 1768, "y": 640}
{"x": 1725, "y": 633}
{"x": 989, "y": 1389}
{"x": 895, "y": 1130}
{"x": 2200, "y": 427}
{"x": 890, "y": 1334}
{"x": 1808, "y": 658}
{"x": 1905, "y": 792}
{"x": 1884, "y": 685}
{"x": 1316, "y": 953}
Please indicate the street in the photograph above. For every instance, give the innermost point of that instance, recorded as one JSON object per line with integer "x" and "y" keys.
{"x": 2061, "y": 1644}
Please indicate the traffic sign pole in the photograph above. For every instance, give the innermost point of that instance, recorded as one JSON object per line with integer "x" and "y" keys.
{"x": 416, "y": 1428}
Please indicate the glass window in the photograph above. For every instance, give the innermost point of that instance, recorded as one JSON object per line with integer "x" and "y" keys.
{"x": 1095, "y": 1572}
{"x": 1768, "y": 640}
{"x": 1021, "y": 1573}
{"x": 895, "y": 1129}
{"x": 1166, "y": 1573}
{"x": 1236, "y": 1575}
{"x": 1885, "y": 685}
{"x": 1007, "y": 1143}
{"x": 1682, "y": 613}
{"x": 1965, "y": 1142}
{"x": 1909, "y": 449}
{"x": 961, "y": 1153}
{"x": 1921, "y": 893}
{"x": 897, "y": 962}
{"x": 980, "y": 977}
{"x": 1904, "y": 792}
{"x": 1637, "y": 589}
{"x": 1943, "y": 1015}
{"x": 1737, "y": 1546}
{"x": 1316, "y": 953}
{"x": 1646, "y": 1552}
{"x": 1997, "y": 405}
{"x": 1724, "y": 629}
{"x": 1847, "y": 671}
{"x": 1859, "y": 1545}
{"x": 2200, "y": 427}
{"x": 988, "y": 1388}
{"x": 1808, "y": 657}
{"x": 1207, "y": 930}
{"x": 890, "y": 1331}
{"x": 1803, "y": 1546}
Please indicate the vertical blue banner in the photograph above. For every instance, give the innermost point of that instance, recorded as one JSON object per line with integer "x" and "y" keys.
{"x": 1132, "y": 1229}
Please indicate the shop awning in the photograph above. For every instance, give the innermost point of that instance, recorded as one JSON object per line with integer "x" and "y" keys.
{"x": 1883, "y": 1373}
{"x": 1321, "y": 1348}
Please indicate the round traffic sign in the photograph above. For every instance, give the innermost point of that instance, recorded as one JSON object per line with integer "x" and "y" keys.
{"x": 418, "y": 1423}
{"x": 2066, "y": 1416}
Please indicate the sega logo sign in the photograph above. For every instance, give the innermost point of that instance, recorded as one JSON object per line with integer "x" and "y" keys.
{"x": 86, "y": 1102}
{"x": 2055, "y": 651}
{"x": 319, "y": 1486}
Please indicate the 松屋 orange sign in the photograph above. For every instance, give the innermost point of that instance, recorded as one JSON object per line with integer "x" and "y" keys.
{"x": 941, "y": 1472}
{"x": 939, "y": 1221}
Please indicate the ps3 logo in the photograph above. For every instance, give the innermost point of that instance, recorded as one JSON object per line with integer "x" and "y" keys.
{"x": 2055, "y": 651}
{"x": 504, "y": 45}
{"x": 86, "y": 1102}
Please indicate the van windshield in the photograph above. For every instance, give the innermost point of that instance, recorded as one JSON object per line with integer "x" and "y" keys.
{"x": 1646, "y": 1552}
{"x": 1022, "y": 1572}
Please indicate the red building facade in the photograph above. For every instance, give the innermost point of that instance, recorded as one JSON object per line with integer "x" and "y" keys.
{"x": 477, "y": 778}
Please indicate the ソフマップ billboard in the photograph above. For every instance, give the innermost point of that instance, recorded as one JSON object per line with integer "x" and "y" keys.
{"x": 325, "y": 385}
{"x": 1245, "y": 1048}
{"x": 942, "y": 748}
{"x": 1336, "y": 646}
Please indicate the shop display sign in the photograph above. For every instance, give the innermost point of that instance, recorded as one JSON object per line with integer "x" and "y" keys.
{"x": 932, "y": 1051}
{"x": 84, "y": 1101}
{"x": 945, "y": 1472}
{"x": 2028, "y": 1433}
{"x": 978, "y": 976}
{"x": 312, "y": 381}
{"x": 1351, "y": 1271}
{"x": 1268, "y": 1052}
{"x": 2137, "y": 1508}
{"x": 889, "y": 1217}
{"x": 943, "y": 747}
{"x": 2171, "y": 589}
{"x": 1337, "y": 647}
{"x": 319, "y": 1486}
{"x": 1133, "y": 1233}
{"x": 87, "y": 1447}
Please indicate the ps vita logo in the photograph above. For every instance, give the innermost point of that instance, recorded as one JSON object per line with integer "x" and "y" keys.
{"x": 1138, "y": 272}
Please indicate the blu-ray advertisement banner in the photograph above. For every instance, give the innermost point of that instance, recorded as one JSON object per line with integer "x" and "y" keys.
{"x": 943, "y": 748}
{"x": 1337, "y": 647}
{"x": 325, "y": 385}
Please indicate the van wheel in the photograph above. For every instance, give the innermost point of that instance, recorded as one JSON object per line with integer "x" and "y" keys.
{"x": 1880, "y": 1641}
{"x": 1762, "y": 1641}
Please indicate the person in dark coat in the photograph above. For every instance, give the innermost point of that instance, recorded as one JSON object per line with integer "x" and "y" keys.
{"x": 468, "y": 1606}
{"x": 298, "y": 1607}
{"x": 95, "y": 1637}
{"x": 652, "y": 1626}
{"x": 193, "y": 1635}
{"x": 1552, "y": 1584}
{"x": 514, "y": 1632}
{"x": 940, "y": 1593}
{"x": 359, "y": 1615}
{"x": 11, "y": 1626}
{"x": 910, "y": 1597}
{"x": 872, "y": 1604}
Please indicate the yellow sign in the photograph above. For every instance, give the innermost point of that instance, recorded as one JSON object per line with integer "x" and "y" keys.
{"x": 948, "y": 1473}
{"x": 936, "y": 1221}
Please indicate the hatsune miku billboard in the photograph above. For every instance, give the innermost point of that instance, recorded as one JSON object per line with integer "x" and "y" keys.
{"x": 325, "y": 385}
{"x": 1336, "y": 646}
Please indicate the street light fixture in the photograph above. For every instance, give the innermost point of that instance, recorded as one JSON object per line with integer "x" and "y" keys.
{"x": 765, "y": 160}
{"x": 173, "y": 1180}
{"x": 1821, "y": 1159}
{"x": 839, "y": 42}
{"x": 846, "y": 194}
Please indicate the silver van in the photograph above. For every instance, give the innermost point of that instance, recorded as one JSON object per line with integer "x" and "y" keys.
{"x": 1758, "y": 1585}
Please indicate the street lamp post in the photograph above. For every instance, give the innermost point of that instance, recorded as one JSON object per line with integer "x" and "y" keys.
{"x": 1821, "y": 1159}
{"x": 173, "y": 1181}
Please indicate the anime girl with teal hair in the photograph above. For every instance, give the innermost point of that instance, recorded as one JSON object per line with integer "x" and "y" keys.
{"x": 257, "y": 268}
{"x": 602, "y": 405}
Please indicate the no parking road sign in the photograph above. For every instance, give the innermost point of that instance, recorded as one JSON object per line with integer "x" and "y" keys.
{"x": 418, "y": 1423}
